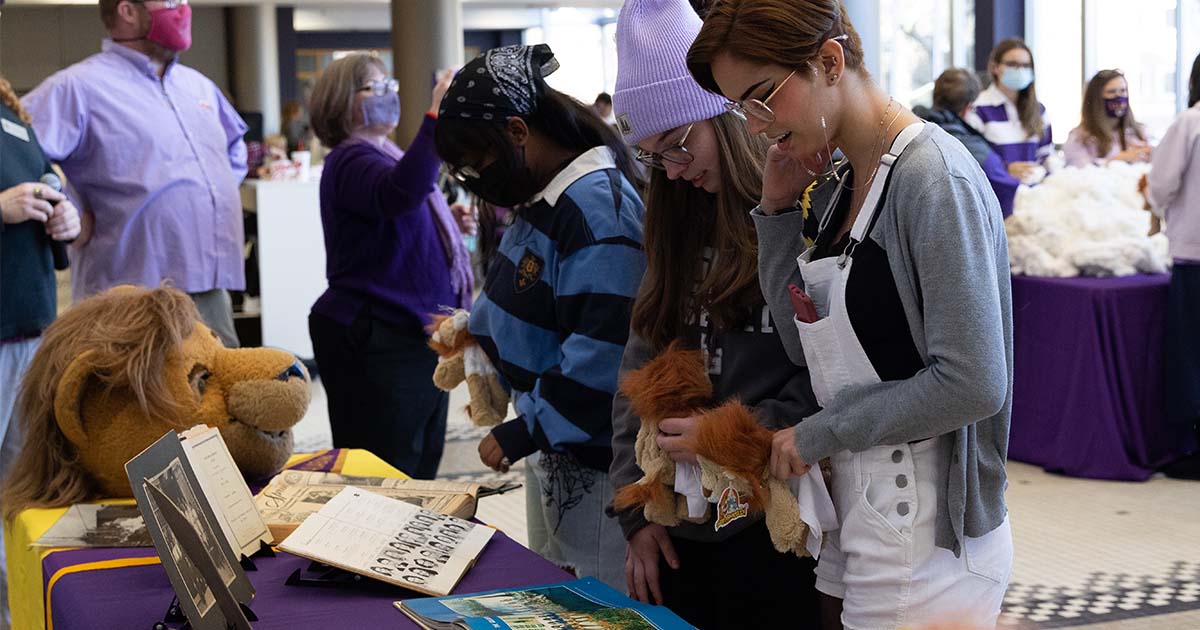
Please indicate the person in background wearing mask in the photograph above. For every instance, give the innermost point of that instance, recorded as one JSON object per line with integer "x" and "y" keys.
{"x": 701, "y": 288}
{"x": 394, "y": 257}
{"x": 36, "y": 217}
{"x": 1008, "y": 113}
{"x": 909, "y": 349}
{"x": 1107, "y": 130}
{"x": 954, "y": 92}
{"x": 1173, "y": 191}
{"x": 155, "y": 153}
{"x": 554, "y": 314}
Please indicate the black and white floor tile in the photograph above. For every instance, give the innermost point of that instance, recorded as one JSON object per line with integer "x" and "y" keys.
{"x": 1104, "y": 597}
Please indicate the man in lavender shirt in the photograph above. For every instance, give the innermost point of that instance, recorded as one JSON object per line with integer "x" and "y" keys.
{"x": 155, "y": 154}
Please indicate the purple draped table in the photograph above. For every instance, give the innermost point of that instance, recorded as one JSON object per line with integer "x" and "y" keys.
{"x": 135, "y": 597}
{"x": 1088, "y": 392}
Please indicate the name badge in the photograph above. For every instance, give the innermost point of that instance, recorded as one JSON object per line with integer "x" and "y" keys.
{"x": 13, "y": 129}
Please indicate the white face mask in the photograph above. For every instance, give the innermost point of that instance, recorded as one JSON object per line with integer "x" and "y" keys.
{"x": 1017, "y": 79}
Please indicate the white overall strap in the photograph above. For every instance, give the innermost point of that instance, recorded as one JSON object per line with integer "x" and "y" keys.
{"x": 871, "y": 203}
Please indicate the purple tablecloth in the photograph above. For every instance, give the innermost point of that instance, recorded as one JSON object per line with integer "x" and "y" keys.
{"x": 136, "y": 597}
{"x": 1088, "y": 396}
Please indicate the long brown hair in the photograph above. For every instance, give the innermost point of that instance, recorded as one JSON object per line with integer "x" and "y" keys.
{"x": 681, "y": 221}
{"x": 9, "y": 98}
{"x": 1094, "y": 117}
{"x": 1028, "y": 108}
{"x": 126, "y": 336}
{"x": 780, "y": 32}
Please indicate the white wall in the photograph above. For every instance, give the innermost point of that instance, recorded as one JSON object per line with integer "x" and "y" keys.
{"x": 37, "y": 41}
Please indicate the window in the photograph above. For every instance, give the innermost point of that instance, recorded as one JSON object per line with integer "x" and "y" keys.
{"x": 919, "y": 39}
{"x": 1154, "y": 45}
{"x": 1055, "y": 35}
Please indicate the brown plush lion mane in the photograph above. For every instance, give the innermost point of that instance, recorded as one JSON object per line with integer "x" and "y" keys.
{"x": 127, "y": 342}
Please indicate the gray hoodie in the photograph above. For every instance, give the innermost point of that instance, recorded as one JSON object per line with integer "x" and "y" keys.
{"x": 944, "y": 235}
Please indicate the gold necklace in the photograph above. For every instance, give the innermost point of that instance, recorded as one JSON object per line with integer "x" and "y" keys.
{"x": 881, "y": 136}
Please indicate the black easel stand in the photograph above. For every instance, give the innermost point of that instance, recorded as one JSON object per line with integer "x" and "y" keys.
{"x": 175, "y": 616}
{"x": 264, "y": 551}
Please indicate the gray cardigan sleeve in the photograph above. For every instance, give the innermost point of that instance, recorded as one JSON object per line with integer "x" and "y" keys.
{"x": 780, "y": 241}
{"x": 946, "y": 261}
{"x": 624, "y": 469}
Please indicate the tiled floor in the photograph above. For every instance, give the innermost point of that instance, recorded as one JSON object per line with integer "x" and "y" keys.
{"x": 1091, "y": 555}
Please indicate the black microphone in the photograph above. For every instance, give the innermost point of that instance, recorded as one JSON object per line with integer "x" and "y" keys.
{"x": 57, "y": 248}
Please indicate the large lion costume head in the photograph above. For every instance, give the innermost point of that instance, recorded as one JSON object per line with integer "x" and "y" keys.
{"x": 118, "y": 370}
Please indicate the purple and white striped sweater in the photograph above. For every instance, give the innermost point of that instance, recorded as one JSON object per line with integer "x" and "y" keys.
{"x": 996, "y": 117}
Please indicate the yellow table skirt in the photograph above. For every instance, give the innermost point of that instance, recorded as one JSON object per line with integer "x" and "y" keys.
{"x": 25, "y": 597}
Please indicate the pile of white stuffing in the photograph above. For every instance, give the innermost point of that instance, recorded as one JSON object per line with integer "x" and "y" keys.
{"x": 1085, "y": 222}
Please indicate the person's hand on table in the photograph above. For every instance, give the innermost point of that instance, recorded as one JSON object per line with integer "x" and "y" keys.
{"x": 785, "y": 459}
{"x": 29, "y": 202}
{"x": 642, "y": 562}
{"x": 1132, "y": 155}
{"x": 64, "y": 224}
{"x": 674, "y": 434}
{"x": 492, "y": 455}
{"x": 1021, "y": 170}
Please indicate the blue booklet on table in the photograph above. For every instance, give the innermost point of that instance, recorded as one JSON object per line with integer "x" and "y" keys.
{"x": 585, "y": 603}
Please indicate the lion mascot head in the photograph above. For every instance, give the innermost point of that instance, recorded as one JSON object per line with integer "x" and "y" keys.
{"x": 117, "y": 371}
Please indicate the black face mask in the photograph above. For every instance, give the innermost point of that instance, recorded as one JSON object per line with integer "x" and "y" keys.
{"x": 507, "y": 182}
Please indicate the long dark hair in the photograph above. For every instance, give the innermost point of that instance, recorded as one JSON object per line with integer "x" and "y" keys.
{"x": 564, "y": 120}
{"x": 680, "y": 221}
{"x": 1028, "y": 107}
{"x": 1094, "y": 118}
{"x": 1194, "y": 83}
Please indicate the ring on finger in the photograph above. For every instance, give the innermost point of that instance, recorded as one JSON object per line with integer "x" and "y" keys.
{"x": 37, "y": 192}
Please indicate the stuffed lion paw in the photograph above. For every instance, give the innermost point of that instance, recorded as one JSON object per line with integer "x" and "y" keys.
{"x": 117, "y": 371}
{"x": 461, "y": 359}
{"x": 673, "y": 385}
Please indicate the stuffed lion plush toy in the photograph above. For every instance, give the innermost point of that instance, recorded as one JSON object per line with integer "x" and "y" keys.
{"x": 672, "y": 385}
{"x": 117, "y": 371}
{"x": 461, "y": 359}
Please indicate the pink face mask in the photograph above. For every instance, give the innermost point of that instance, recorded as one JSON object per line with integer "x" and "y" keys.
{"x": 171, "y": 28}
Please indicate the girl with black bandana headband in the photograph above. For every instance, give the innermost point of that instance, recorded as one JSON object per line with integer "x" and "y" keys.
{"x": 554, "y": 313}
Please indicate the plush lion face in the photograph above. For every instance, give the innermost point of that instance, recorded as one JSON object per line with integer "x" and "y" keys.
{"x": 118, "y": 370}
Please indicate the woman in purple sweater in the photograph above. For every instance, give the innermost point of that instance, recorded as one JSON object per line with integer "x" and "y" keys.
{"x": 394, "y": 256}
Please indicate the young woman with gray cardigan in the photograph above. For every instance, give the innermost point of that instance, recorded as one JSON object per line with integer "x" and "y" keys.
{"x": 910, "y": 348}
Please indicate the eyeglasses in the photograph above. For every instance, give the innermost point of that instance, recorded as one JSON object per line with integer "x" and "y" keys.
{"x": 463, "y": 173}
{"x": 675, "y": 154}
{"x": 1017, "y": 65}
{"x": 759, "y": 109}
{"x": 755, "y": 107}
{"x": 167, "y": 4}
{"x": 381, "y": 87}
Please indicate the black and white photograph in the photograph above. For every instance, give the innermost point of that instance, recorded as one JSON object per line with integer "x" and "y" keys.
{"x": 94, "y": 525}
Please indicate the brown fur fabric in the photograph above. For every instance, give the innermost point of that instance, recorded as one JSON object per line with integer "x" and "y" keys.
{"x": 117, "y": 371}
{"x": 736, "y": 450}
{"x": 674, "y": 384}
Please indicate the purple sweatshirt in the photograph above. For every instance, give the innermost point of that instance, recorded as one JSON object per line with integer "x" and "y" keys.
{"x": 382, "y": 244}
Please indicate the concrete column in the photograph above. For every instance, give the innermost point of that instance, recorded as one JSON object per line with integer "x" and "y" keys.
{"x": 427, "y": 36}
{"x": 255, "y": 62}
{"x": 864, "y": 15}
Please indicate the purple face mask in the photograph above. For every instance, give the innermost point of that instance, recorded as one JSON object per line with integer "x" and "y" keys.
{"x": 381, "y": 110}
{"x": 1117, "y": 106}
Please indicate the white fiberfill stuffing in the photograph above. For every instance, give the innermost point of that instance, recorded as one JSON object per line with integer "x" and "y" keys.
{"x": 1085, "y": 221}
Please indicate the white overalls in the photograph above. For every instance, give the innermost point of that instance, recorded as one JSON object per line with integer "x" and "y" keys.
{"x": 883, "y": 562}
